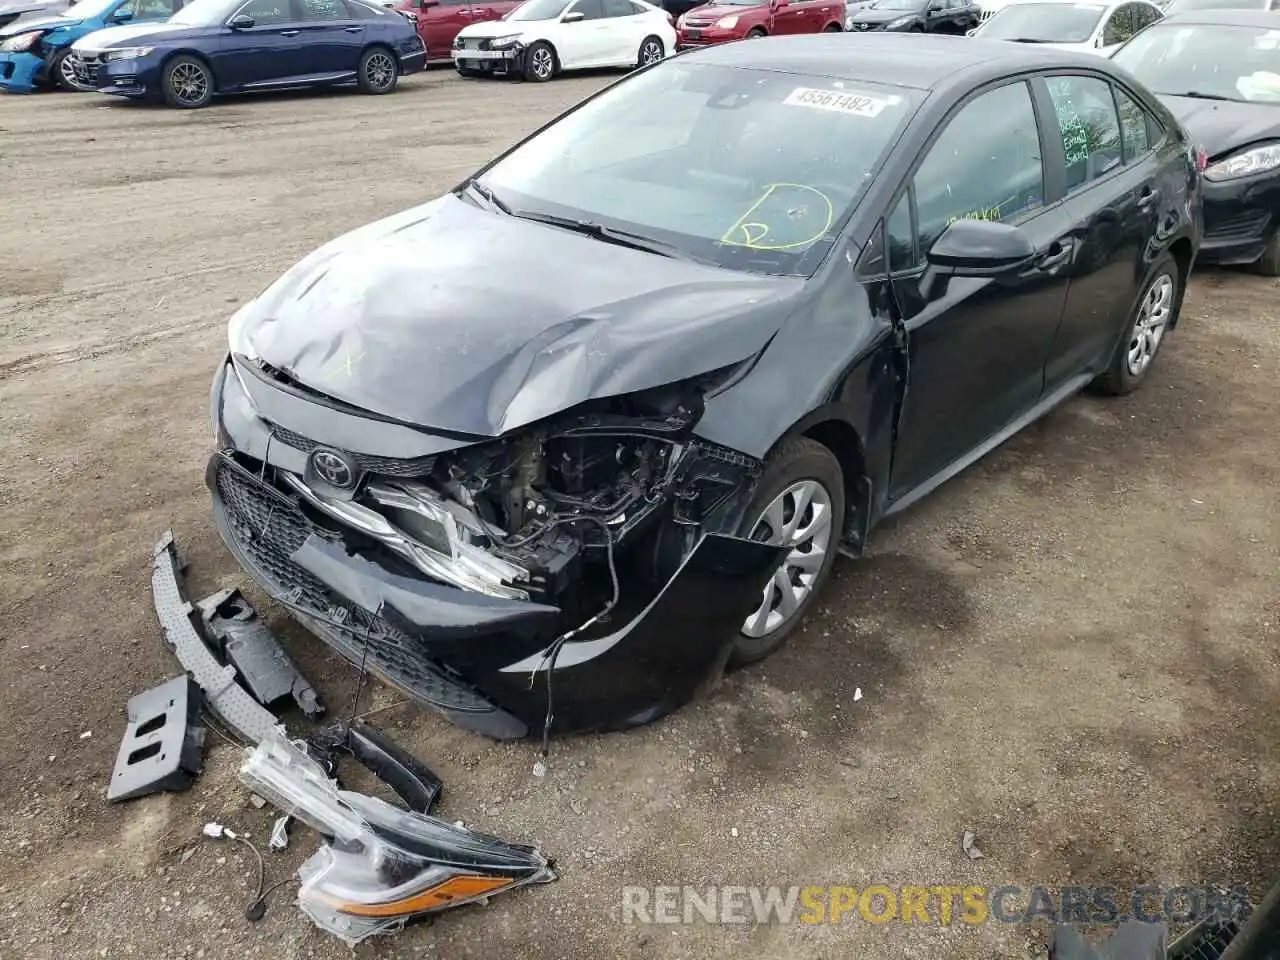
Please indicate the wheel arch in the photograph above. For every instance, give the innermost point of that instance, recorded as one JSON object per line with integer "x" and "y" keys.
{"x": 555, "y": 52}
{"x": 1183, "y": 255}
{"x": 381, "y": 44}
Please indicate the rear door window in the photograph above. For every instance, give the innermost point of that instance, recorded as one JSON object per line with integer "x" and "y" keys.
{"x": 1089, "y": 127}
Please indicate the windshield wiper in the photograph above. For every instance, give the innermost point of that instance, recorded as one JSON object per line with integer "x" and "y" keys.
{"x": 1027, "y": 40}
{"x": 599, "y": 231}
{"x": 488, "y": 196}
{"x": 1198, "y": 95}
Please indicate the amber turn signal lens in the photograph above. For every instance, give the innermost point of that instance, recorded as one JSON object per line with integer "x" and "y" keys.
{"x": 441, "y": 895}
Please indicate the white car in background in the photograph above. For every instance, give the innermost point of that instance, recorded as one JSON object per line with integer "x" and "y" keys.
{"x": 541, "y": 38}
{"x": 1070, "y": 24}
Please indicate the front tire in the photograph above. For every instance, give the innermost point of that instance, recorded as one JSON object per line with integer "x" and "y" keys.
{"x": 651, "y": 51}
{"x": 755, "y": 33}
{"x": 539, "y": 62}
{"x": 61, "y": 74}
{"x": 799, "y": 501}
{"x": 378, "y": 72}
{"x": 187, "y": 83}
{"x": 1154, "y": 313}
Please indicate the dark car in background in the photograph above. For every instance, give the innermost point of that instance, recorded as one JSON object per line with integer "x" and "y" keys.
{"x": 724, "y": 20}
{"x": 213, "y": 47}
{"x": 547, "y": 452}
{"x": 916, "y": 16}
{"x": 438, "y": 21}
{"x": 1218, "y": 71}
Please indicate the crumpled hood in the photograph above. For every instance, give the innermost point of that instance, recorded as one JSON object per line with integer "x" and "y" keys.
{"x": 498, "y": 28}
{"x": 465, "y": 320}
{"x": 129, "y": 33}
{"x": 1218, "y": 126}
{"x": 26, "y": 26}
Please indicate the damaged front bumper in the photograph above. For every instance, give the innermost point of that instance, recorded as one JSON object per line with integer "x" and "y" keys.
{"x": 615, "y": 621}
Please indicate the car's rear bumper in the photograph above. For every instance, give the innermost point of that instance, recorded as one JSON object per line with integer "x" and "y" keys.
{"x": 413, "y": 61}
{"x": 21, "y": 72}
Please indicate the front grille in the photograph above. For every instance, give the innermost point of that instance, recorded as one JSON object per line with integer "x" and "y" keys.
{"x": 697, "y": 23}
{"x": 86, "y": 68}
{"x": 268, "y": 528}
{"x": 1242, "y": 227}
{"x": 385, "y": 466}
{"x": 1206, "y": 942}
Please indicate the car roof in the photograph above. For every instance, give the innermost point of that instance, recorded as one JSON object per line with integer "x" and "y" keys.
{"x": 1108, "y": 4}
{"x": 1244, "y": 17}
{"x": 930, "y": 61}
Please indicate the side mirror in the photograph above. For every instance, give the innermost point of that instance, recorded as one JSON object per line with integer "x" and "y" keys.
{"x": 122, "y": 16}
{"x": 980, "y": 248}
{"x": 241, "y": 21}
{"x": 573, "y": 17}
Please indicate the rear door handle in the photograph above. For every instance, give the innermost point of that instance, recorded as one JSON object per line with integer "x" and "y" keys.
{"x": 288, "y": 33}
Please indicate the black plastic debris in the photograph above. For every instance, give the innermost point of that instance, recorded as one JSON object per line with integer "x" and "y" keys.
{"x": 1130, "y": 941}
{"x": 411, "y": 779}
{"x": 163, "y": 742}
{"x": 244, "y": 641}
{"x": 226, "y": 698}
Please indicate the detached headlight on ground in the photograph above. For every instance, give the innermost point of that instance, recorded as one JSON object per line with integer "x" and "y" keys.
{"x": 727, "y": 23}
{"x": 128, "y": 53}
{"x": 1246, "y": 163}
{"x": 23, "y": 41}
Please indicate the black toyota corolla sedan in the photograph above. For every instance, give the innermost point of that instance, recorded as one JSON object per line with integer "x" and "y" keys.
{"x": 1219, "y": 72}
{"x": 550, "y": 451}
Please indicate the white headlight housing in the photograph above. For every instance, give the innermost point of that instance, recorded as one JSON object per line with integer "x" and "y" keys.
{"x": 727, "y": 23}
{"x": 501, "y": 43}
{"x": 128, "y": 53}
{"x": 1245, "y": 163}
{"x": 900, "y": 22}
{"x": 23, "y": 41}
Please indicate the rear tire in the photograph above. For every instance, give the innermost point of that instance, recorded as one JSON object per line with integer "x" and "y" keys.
{"x": 378, "y": 72}
{"x": 1154, "y": 313}
{"x": 802, "y": 488}
{"x": 187, "y": 83}
{"x": 539, "y": 62}
{"x": 1269, "y": 263}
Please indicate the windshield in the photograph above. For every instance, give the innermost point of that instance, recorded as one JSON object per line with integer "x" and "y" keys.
{"x": 538, "y": 10}
{"x": 747, "y": 169}
{"x": 897, "y": 5}
{"x": 1044, "y": 22}
{"x": 206, "y": 13}
{"x": 1234, "y": 63}
{"x": 88, "y": 9}
{"x": 1182, "y": 6}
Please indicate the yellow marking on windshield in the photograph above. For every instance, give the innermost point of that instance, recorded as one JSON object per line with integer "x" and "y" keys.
{"x": 751, "y": 234}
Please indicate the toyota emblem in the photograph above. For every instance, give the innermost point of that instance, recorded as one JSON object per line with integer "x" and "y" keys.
{"x": 333, "y": 468}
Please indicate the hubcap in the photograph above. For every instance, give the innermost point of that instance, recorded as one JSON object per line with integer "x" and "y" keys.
{"x": 542, "y": 63}
{"x": 800, "y": 518}
{"x": 380, "y": 70}
{"x": 1148, "y": 329}
{"x": 68, "y": 71}
{"x": 189, "y": 82}
{"x": 651, "y": 53}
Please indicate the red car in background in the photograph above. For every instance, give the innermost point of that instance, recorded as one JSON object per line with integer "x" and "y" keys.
{"x": 723, "y": 20}
{"x": 440, "y": 20}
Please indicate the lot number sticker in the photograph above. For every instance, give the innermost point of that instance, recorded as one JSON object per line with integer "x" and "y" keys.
{"x": 838, "y": 101}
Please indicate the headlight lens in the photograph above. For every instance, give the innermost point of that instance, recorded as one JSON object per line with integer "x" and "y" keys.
{"x": 900, "y": 22}
{"x": 680, "y": 21}
{"x": 129, "y": 53}
{"x": 848, "y": 23}
{"x": 502, "y": 43}
{"x": 1244, "y": 164}
{"x": 23, "y": 41}
{"x": 727, "y": 23}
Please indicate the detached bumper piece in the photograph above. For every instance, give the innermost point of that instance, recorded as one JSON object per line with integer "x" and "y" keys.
{"x": 248, "y": 645}
{"x": 163, "y": 742}
{"x": 381, "y": 867}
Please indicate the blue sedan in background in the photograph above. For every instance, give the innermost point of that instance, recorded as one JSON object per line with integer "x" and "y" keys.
{"x": 212, "y": 47}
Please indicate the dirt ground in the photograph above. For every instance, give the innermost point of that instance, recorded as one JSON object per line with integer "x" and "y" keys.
{"x": 1070, "y": 650}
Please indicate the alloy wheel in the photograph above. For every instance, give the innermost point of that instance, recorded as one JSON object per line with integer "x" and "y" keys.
{"x": 543, "y": 64}
{"x": 190, "y": 82}
{"x": 799, "y": 518}
{"x": 651, "y": 52}
{"x": 67, "y": 71}
{"x": 379, "y": 71}
{"x": 1153, "y": 316}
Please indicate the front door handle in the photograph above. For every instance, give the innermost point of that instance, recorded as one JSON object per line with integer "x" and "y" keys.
{"x": 353, "y": 29}
{"x": 1147, "y": 198}
{"x": 289, "y": 33}
{"x": 1057, "y": 254}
